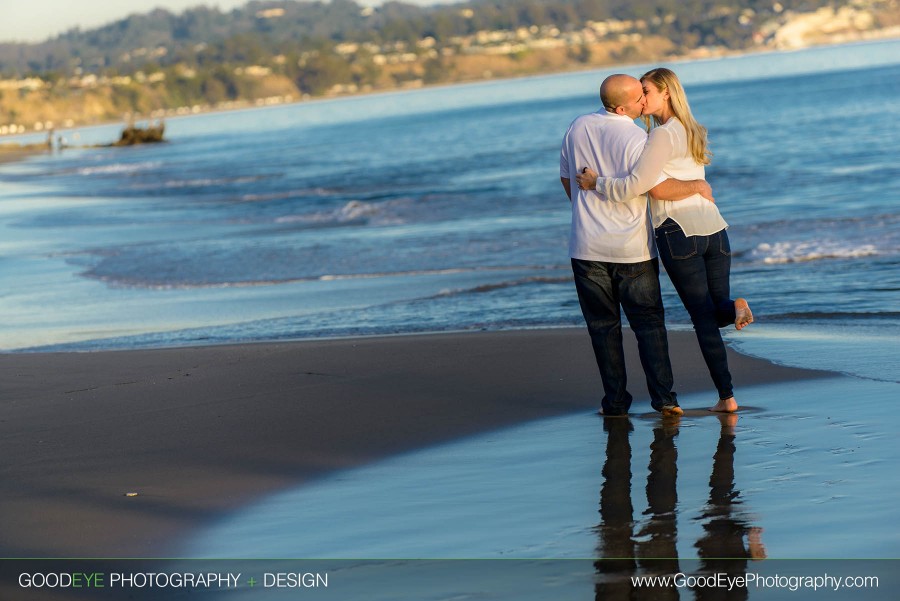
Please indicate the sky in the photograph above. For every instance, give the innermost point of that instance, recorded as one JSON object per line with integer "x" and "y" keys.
{"x": 37, "y": 20}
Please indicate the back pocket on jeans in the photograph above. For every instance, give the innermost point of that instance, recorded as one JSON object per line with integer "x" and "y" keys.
{"x": 679, "y": 245}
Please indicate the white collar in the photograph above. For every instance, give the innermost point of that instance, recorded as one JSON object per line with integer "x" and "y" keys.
{"x": 605, "y": 113}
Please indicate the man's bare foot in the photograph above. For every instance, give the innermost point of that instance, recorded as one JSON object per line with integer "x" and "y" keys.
{"x": 728, "y": 405}
{"x": 602, "y": 413}
{"x": 671, "y": 411}
{"x": 743, "y": 316}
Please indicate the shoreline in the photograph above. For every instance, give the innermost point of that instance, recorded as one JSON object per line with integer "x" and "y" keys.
{"x": 198, "y": 433}
{"x": 11, "y": 153}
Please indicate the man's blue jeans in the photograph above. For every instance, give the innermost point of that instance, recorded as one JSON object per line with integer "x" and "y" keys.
{"x": 602, "y": 289}
{"x": 699, "y": 267}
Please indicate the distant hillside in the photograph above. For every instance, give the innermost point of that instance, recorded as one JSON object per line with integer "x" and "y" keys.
{"x": 278, "y": 51}
{"x": 202, "y": 36}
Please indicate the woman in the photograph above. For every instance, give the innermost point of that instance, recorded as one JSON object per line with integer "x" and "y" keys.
{"x": 690, "y": 233}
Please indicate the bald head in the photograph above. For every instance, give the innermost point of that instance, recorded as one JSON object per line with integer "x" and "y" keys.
{"x": 622, "y": 94}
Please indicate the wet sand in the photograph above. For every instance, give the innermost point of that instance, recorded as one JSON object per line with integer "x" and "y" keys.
{"x": 198, "y": 433}
{"x": 10, "y": 153}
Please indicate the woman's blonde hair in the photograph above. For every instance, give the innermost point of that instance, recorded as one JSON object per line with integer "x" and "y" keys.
{"x": 664, "y": 79}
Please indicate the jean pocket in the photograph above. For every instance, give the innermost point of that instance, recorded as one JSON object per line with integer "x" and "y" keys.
{"x": 635, "y": 270}
{"x": 678, "y": 245}
{"x": 724, "y": 244}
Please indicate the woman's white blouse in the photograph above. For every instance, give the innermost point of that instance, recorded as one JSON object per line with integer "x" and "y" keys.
{"x": 666, "y": 155}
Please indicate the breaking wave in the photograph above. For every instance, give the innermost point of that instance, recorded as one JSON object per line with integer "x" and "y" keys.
{"x": 119, "y": 168}
{"x": 802, "y": 252}
{"x": 352, "y": 212}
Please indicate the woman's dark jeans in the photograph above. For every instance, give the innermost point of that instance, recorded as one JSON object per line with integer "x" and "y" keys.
{"x": 602, "y": 289}
{"x": 699, "y": 267}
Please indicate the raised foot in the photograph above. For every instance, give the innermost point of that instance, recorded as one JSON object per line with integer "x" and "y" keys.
{"x": 743, "y": 315}
{"x": 728, "y": 405}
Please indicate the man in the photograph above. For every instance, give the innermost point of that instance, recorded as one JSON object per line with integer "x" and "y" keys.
{"x": 612, "y": 249}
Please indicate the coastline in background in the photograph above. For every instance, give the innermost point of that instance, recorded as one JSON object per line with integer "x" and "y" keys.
{"x": 160, "y": 65}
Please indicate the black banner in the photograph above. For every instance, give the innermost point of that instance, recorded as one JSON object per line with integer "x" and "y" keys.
{"x": 427, "y": 580}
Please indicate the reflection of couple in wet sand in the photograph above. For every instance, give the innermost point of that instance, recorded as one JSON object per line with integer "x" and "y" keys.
{"x": 728, "y": 541}
{"x": 614, "y": 257}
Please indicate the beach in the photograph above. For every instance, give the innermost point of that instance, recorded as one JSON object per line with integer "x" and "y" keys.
{"x": 223, "y": 353}
{"x": 16, "y": 152}
{"x": 199, "y": 432}
{"x": 458, "y": 451}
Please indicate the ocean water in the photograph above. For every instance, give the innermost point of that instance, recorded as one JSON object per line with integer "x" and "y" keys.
{"x": 441, "y": 209}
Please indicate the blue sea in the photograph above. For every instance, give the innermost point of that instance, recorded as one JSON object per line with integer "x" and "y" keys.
{"x": 441, "y": 209}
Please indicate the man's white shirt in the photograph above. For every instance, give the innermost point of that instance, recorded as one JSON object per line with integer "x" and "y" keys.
{"x": 603, "y": 230}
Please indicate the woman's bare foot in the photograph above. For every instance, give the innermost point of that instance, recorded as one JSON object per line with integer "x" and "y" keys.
{"x": 728, "y": 405}
{"x": 743, "y": 316}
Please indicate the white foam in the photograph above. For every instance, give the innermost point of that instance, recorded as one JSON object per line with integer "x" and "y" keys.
{"x": 120, "y": 168}
{"x": 801, "y": 252}
{"x": 354, "y": 210}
